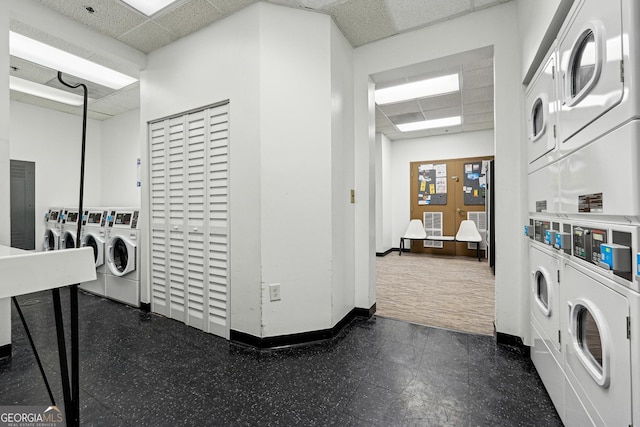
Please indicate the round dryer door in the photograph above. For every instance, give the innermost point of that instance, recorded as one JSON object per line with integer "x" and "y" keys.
{"x": 51, "y": 242}
{"x": 122, "y": 256}
{"x": 68, "y": 240}
{"x": 97, "y": 245}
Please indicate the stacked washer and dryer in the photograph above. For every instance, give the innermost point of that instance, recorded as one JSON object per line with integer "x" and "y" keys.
{"x": 583, "y": 149}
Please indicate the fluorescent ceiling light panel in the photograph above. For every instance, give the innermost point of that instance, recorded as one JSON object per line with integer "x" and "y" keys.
{"x": 42, "y": 91}
{"x": 415, "y": 90}
{"x": 56, "y": 59}
{"x": 430, "y": 124}
{"x": 149, "y": 7}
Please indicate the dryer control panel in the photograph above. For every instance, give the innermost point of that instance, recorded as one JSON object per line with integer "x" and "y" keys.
{"x": 586, "y": 243}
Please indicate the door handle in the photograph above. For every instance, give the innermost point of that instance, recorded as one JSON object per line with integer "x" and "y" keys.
{"x": 460, "y": 211}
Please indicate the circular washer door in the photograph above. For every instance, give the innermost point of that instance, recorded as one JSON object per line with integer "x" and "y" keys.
{"x": 97, "y": 245}
{"x": 51, "y": 242}
{"x": 122, "y": 256}
{"x": 68, "y": 240}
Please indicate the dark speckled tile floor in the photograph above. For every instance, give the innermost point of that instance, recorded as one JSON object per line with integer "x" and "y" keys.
{"x": 146, "y": 370}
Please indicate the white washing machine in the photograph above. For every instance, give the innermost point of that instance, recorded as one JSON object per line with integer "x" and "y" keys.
{"x": 52, "y": 230}
{"x": 69, "y": 231}
{"x": 94, "y": 221}
{"x": 122, "y": 280}
{"x": 599, "y": 70}
{"x": 601, "y": 179}
{"x": 541, "y": 101}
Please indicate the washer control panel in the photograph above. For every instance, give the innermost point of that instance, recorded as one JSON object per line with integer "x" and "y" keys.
{"x": 587, "y": 242}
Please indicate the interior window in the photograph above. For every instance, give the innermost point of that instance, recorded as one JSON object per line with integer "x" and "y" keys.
{"x": 584, "y": 63}
{"x": 537, "y": 117}
{"x": 542, "y": 291}
{"x": 589, "y": 337}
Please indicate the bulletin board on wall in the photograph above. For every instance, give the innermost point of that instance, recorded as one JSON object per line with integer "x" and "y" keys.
{"x": 475, "y": 183}
{"x": 432, "y": 184}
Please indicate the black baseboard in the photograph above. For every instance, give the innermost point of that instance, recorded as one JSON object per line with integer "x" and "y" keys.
{"x": 387, "y": 252}
{"x": 145, "y": 306}
{"x": 5, "y": 351}
{"x": 302, "y": 337}
{"x": 513, "y": 341}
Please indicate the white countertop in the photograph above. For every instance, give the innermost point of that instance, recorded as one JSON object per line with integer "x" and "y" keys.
{"x": 23, "y": 272}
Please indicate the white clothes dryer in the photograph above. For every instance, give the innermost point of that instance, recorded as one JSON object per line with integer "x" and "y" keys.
{"x": 122, "y": 281}
{"x": 53, "y": 227}
{"x": 94, "y": 235}
{"x": 599, "y": 70}
{"x": 542, "y": 106}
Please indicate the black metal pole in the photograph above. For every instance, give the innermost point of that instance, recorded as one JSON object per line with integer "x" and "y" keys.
{"x": 74, "y": 418}
{"x": 62, "y": 355}
{"x": 35, "y": 351}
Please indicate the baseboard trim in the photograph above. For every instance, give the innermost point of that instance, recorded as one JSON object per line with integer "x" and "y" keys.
{"x": 301, "y": 338}
{"x": 513, "y": 341}
{"x": 145, "y": 306}
{"x": 5, "y": 351}
{"x": 385, "y": 253}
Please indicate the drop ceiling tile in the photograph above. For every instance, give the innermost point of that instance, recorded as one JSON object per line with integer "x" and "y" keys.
{"x": 94, "y": 90}
{"x": 317, "y": 4}
{"x": 227, "y": 7}
{"x": 441, "y": 101}
{"x": 395, "y": 136}
{"x": 478, "y": 118}
{"x": 446, "y": 131}
{"x": 386, "y": 129}
{"x": 481, "y": 4}
{"x": 109, "y": 106}
{"x": 400, "y": 108}
{"x": 482, "y": 63}
{"x": 471, "y": 127}
{"x": 289, "y": 3}
{"x": 408, "y": 14}
{"x": 362, "y": 21}
{"x": 406, "y": 118}
{"x": 189, "y": 17}
{"x": 479, "y": 107}
{"x": 443, "y": 112}
{"x": 30, "y": 71}
{"x": 111, "y": 17}
{"x": 148, "y": 37}
{"x": 481, "y": 77}
{"x": 473, "y": 96}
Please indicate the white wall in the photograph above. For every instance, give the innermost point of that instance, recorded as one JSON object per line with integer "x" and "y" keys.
{"x": 120, "y": 151}
{"x": 53, "y": 141}
{"x": 217, "y": 63}
{"x": 295, "y": 165}
{"x": 5, "y": 196}
{"x": 384, "y": 191}
{"x": 342, "y": 174}
{"x": 497, "y": 27}
{"x": 440, "y": 147}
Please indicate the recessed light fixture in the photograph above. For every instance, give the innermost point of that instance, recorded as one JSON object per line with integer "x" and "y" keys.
{"x": 42, "y": 91}
{"x": 420, "y": 89}
{"x": 149, "y": 7}
{"x": 56, "y": 59}
{"x": 430, "y": 124}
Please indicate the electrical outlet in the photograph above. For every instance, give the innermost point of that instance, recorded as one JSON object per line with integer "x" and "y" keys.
{"x": 274, "y": 291}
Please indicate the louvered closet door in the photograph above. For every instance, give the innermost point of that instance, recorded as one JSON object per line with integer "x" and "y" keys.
{"x": 218, "y": 213}
{"x": 196, "y": 182}
{"x": 189, "y": 204}
{"x": 158, "y": 206}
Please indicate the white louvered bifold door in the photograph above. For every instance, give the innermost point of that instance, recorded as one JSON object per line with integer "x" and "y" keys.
{"x": 158, "y": 206}
{"x": 189, "y": 204}
{"x": 218, "y": 211}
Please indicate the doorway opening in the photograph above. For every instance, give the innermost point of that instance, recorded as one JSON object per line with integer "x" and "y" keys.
{"x": 436, "y": 175}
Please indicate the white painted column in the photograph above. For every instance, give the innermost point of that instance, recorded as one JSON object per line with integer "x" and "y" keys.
{"x": 5, "y": 197}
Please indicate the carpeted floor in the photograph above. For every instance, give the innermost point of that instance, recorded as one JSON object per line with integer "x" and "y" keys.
{"x": 455, "y": 293}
